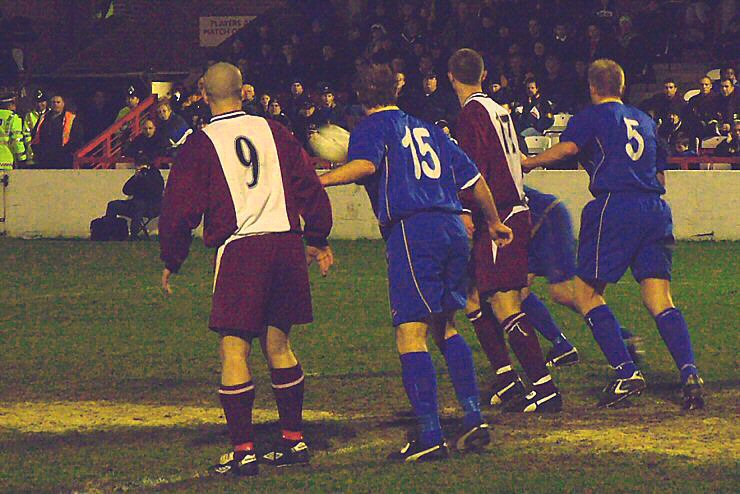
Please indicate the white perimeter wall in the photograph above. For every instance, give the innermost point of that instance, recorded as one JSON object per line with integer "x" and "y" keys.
{"x": 61, "y": 203}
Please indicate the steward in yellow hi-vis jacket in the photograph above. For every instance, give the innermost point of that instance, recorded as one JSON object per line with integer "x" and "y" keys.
{"x": 12, "y": 148}
{"x": 30, "y": 120}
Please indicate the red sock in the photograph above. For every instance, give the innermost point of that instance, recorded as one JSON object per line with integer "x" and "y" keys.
{"x": 237, "y": 402}
{"x": 491, "y": 337}
{"x": 287, "y": 385}
{"x": 526, "y": 347}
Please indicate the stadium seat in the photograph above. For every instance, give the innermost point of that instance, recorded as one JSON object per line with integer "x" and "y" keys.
{"x": 710, "y": 143}
{"x": 690, "y": 94}
{"x": 554, "y": 138}
{"x": 714, "y": 74}
{"x": 559, "y": 124}
{"x": 536, "y": 144}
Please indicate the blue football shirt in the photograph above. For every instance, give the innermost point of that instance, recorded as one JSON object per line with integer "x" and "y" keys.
{"x": 619, "y": 148}
{"x": 418, "y": 168}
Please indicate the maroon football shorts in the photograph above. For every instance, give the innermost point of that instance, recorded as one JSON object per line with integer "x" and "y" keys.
{"x": 497, "y": 269}
{"x": 260, "y": 281}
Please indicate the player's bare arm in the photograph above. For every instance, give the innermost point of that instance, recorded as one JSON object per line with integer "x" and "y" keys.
{"x": 350, "y": 173}
{"x": 501, "y": 233}
{"x": 661, "y": 178}
{"x": 557, "y": 153}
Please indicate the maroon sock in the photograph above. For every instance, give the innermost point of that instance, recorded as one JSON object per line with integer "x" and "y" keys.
{"x": 237, "y": 402}
{"x": 526, "y": 347}
{"x": 287, "y": 384}
{"x": 491, "y": 337}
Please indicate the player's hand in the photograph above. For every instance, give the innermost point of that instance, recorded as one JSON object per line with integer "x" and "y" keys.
{"x": 501, "y": 234}
{"x": 467, "y": 220}
{"x": 166, "y": 288}
{"x": 323, "y": 256}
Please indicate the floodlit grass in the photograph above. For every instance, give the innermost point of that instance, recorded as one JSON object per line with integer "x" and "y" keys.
{"x": 106, "y": 385}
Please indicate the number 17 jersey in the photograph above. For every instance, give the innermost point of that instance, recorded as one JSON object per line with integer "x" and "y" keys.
{"x": 418, "y": 168}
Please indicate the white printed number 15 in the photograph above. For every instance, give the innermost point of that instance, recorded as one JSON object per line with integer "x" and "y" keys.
{"x": 424, "y": 149}
{"x": 632, "y": 133}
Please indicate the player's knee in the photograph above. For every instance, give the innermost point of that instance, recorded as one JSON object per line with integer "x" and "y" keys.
{"x": 656, "y": 295}
{"x": 505, "y": 304}
{"x": 562, "y": 293}
{"x": 411, "y": 338}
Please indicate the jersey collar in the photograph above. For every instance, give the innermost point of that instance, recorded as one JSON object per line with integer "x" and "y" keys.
{"x": 478, "y": 94}
{"x": 227, "y": 115}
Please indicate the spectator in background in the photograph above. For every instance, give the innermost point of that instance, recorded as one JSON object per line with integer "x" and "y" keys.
{"x": 562, "y": 44}
{"x": 30, "y": 121}
{"x": 329, "y": 68}
{"x": 682, "y": 146}
{"x": 405, "y": 98}
{"x": 289, "y": 68}
{"x": 537, "y": 59}
{"x": 725, "y": 73}
{"x": 97, "y": 116}
{"x": 632, "y": 55}
{"x": 145, "y": 188}
{"x": 497, "y": 87}
{"x": 556, "y": 85}
{"x": 147, "y": 146}
{"x": 728, "y": 106}
{"x": 581, "y": 97}
{"x": 671, "y": 127}
{"x": 264, "y": 104}
{"x": 329, "y": 112}
{"x": 731, "y": 146}
{"x": 297, "y": 98}
{"x": 669, "y": 101}
{"x": 431, "y": 104}
{"x": 598, "y": 44}
{"x": 132, "y": 101}
{"x": 536, "y": 115}
{"x": 306, "y": 122}
{"x": 58, "y": 135}
{"x": 173, "y": 129}
{"x": 703, "y": 110}
{"x": 275, "y": 112}
{"x": 249, "y": 103}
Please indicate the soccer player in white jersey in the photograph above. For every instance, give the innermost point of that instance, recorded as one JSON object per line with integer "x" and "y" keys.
{"x": 252, "y": 181}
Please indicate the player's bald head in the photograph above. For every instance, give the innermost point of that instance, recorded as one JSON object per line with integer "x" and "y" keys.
{"x": 222, "y": 82}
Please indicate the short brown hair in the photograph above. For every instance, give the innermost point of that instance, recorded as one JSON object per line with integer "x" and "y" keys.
{"x": 606, "y": 77}
{"x": 466, "y": 66}
{"x": 376, "y": 86}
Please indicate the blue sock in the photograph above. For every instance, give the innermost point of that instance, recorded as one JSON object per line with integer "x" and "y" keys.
{"x": 626, "y": 333}
{"x": 420, "y": 382}
{"x": 542, "y": 320}
{"x": 460, "y": 365}
{"x": 674, "y": 331}
{"x": 608, "y": 335}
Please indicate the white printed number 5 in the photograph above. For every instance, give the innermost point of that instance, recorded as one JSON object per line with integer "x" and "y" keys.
{"x": 632, "y": 133}
{"x": 433, "y": 171}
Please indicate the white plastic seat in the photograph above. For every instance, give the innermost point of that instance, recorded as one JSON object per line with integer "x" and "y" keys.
{"x": 712, "y": 142}
{"x": 560, "y": 123}
{"x": 714, "y": 74}
{"x": 537, "y": 144}
{"x": 690, "y": 94}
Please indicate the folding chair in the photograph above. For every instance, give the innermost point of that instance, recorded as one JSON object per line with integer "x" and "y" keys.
{"x": 714, "y": 74}
{"x": 559, "y": 124}
{"x": 710, "y": 143}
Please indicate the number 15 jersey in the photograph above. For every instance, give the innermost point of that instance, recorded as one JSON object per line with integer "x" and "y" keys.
{"x": 619, "y": 148}
{"x": 418, "y": 168}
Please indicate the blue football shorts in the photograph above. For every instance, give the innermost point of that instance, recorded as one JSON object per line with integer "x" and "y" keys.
{"x": 552, "y": 249}
{"x": 427, "y": 256}
{"x": 621, "y": 230}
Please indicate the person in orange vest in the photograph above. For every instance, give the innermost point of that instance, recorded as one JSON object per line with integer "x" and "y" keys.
{"x": 58, "y": 135}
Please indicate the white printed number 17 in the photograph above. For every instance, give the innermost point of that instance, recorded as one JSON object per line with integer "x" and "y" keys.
{"x": 424, "y": 149}
{"x": 632, "y": 133}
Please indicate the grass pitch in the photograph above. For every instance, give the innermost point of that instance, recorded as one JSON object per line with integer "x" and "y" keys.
{"x": 105, "y": 385}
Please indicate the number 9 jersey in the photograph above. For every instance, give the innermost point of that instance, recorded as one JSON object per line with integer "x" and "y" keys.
{"x": 618, "y": 147}
{"x": 418, "y": 168}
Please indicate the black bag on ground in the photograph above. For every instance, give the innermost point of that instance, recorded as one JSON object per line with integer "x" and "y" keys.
{"x": 108, "y": 228}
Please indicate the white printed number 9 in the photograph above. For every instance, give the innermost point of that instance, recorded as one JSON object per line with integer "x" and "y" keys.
{"x": 433, "y": 171}
{"x": 632, "y": 133}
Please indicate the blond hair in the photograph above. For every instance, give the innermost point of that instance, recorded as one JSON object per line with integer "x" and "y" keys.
{"x": 606, "y": 78}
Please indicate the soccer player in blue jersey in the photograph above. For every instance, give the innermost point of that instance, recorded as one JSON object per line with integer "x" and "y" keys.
{"x": 413, "y": 173}
{"x": 552, "y": 254}
{"x": 627, "y": 224}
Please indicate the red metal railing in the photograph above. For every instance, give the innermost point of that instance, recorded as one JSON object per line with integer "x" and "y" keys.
{"x": 105, "y": 150}
{"x": 684, "y": 162}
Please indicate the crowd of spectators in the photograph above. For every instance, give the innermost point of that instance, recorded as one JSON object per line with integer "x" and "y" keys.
{"x": 536, "y": 53}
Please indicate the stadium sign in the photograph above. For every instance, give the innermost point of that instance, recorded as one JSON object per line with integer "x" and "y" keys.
{"x": 214, "y": 30}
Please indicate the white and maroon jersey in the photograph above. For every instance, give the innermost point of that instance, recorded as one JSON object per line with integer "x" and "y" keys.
{"x": 247, "y": 176}
{"x": 486, "y": 133}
